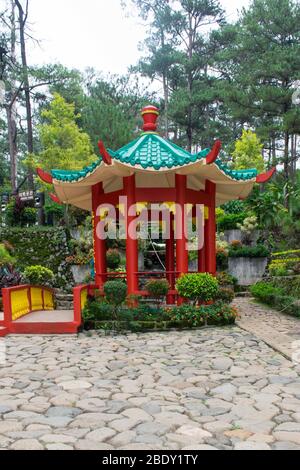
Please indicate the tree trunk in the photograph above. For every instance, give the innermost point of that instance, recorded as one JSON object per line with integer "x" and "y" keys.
{"x": 12, "y": 139}
{"x": 11, "y": 108}
{"x": 22, "y": 23}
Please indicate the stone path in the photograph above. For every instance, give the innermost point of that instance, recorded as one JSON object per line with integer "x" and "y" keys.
{"x": 210, "y": 389}
{"x": 281, "y": 332}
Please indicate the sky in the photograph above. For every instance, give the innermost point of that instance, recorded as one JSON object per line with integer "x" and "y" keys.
{"x": 91, "y": 33}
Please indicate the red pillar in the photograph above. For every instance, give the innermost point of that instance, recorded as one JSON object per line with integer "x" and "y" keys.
{"x": 132, "y": 264}
{"x": 182, "y": 259}
{"x": 210, "y": 231}
{"x": 99, "y": 245}
{"x": 170, "y": 260}
{"x": 201, "y": 261}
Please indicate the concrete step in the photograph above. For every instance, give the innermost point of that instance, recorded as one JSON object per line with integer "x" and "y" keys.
{"x": 64, "y": 305}
{"x": 244, "y": 294}
{"x": 64, "y": 297}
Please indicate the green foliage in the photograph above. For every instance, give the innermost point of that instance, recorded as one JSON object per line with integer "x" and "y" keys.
{"x": 100, "y": 315}
{"x": 234, "y": 207}
{"x": 216, "y": 314}
{"x": 259, "y": 251}
{"x": 226, "y": 295}
{"x": 198, "y": 287}
{"x": 64, "y": 145}
{"x": 5, "y": 256}
{"x": 39, "y": 276}
{"x": 157, "y": 287}
{"x": 265, "y": 291}
{"x": 248, "y": 152}
{"x": 277, "y": 298}
{"x": 225, "y": 279}
{"x": 231, "y": 221}
{"x": 17, "y": 214}
{"x": 41, "y": 246}
{"x": 115, "y": 292}
{"x": 113, "y": 259}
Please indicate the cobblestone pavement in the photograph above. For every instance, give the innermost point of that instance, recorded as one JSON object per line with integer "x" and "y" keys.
{"x": 281, "y": 332}
{"x": 209, "y": 389}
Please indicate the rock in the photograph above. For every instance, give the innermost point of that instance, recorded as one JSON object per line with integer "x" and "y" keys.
{"x": 226, "y": 391}
{"x": 238, "y": 434}
{"x": 75, "y": 385}
{"x": 193, "y": 432}
{"x": 10, "y": 426}
{"x": 248, "y": 445}
{"x": 287, "y": 436}
{"x": 285, "y": 446}
{"x": 222, "y": 363}
{"x": 153, "y": 428}
{"x": 62, "y": 411}
{"x": 57, "y": 439}
{"x": 123, "y": 439}
{"x": 5, "y": 409}
{"x": 289, "y": 427}
{"x": 100, "y": 435}
{"x": 217, "y": 426}
{"x": 85, "y": 444}
{"x": 138, "y": 414}
{"x": 27, "y": 444}
{"x": 200, "y": 447}
{"x": 58, "y": 447}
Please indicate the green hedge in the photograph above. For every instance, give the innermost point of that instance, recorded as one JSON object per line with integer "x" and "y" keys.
{"x": 276, "y": 297}
{"x": 42, "y": 246}
{"x": 259, "y": 251}
{"x": 231, "y": 221}
{"x": 98, "y": 314}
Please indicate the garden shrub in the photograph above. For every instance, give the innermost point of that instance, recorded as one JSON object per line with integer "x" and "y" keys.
{"x": 226, "y": 295}
{"x": 5, "y": 256}
{"x": 259, "y": 251}
{"x": 38, "y": 276}
{"x": 99, "y": 314}
{"x": 231, "y": 221}
{"x": 265, "y": 291}
{"x": 113, "y": 259}
{"x": 225, "y": 279}
{"x": 157, "y": 288}
{"x": 115, "y": 293}
{"x": 234, "y": 207}
{"x": 222, "y": 259}
{"x": 198, "y": 287}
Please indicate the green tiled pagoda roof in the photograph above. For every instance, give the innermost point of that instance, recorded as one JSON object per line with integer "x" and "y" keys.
{"x": 150, "y": 151}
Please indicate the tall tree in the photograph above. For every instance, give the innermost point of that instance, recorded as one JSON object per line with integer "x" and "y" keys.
{"x": 23, "y": 16}
{"x": 259, "y": 60}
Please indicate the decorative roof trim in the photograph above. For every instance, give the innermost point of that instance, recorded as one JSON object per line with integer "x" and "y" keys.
{"x": 46, "y": 177}
{"x": 214, "y": 153}
{"x": 265, "y": 177}
{"x": 104, "y": 153}
{"x": 55, "y": 199}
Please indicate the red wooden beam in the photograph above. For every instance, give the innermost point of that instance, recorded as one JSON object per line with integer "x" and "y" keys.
{"x": 54, "y": 198}
{"x": 46, "y": 177}
{"x": 214, "y": 153}
{"x": 104, "y": 153}
{"x": 265, "y": 177}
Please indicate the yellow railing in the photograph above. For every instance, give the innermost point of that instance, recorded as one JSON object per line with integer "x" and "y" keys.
{"x": 22, "y": 300}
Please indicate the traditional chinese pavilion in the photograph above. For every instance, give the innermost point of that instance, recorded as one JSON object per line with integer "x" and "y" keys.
{"x": 155, "y": 170}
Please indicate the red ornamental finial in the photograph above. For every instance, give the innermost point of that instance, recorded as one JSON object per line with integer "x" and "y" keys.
{"x": 150, "y": 115}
